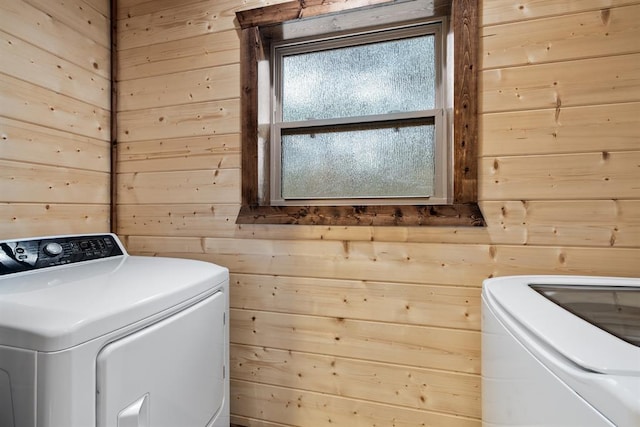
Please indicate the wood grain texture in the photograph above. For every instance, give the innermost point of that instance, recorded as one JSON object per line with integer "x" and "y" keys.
{"x": 601, "y": 32}
{"x": 405, "y": 386}
{"x": 38, "y": 28}
{"x": 602, "y": 80}
{"x": 197, "y": 153}
{"x": 20, "y": 220}
{"x": 294, "y": 407}
{"x": 197, "y": 119}
{"x": 384, "y": 289}
{"x": 159, "y": 59}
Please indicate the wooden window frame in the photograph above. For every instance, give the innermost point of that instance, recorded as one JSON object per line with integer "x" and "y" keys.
{"x": 463, "y": 211}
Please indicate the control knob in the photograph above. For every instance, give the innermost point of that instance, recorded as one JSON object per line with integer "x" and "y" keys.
{"x": 53, "y": 249}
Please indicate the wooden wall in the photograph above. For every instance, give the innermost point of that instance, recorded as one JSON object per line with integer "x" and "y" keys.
{"x": 369, "y": 326}
{"x": 54, "y": 117}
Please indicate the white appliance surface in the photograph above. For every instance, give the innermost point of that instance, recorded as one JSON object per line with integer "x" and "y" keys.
{"x": 100, "y": 338}
{"x": 543, "y": 365}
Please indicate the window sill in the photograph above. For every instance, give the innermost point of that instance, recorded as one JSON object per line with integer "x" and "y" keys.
{"x": 460, "y": 214}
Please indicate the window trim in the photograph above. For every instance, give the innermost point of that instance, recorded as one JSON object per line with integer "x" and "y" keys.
{"x": 464, "y": 210}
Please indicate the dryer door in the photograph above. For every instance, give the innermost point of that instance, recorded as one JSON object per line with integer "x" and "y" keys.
{"x": 168, "y": 374}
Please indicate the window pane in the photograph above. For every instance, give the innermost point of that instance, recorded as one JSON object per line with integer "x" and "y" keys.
{"x": 358, "y": 162}
{"x": 377, "y": 78}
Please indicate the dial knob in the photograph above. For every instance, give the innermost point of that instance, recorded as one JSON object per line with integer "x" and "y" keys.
{"x": 53, "y": 249}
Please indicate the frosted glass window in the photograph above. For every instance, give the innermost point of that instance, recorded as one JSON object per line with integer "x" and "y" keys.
{"x": 359, "y": 162}
{"x": 376, "y": 78}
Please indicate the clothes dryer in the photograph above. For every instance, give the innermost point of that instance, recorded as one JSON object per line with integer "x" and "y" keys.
{"x": 90, "y": 336}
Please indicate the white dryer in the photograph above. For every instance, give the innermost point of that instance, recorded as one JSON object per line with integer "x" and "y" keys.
{"x": 561, "y": 351}
{"x": 93, "y": 337}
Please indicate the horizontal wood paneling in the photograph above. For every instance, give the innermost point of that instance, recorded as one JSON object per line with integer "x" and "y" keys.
{"x": 614, "y": 127}
{"x": 499, "y": 11}
{"x": 444, "y": 306}
{"x": 301, "y": 408}
{"x": 561, "y": 177}
{"x": 21, "y": 220}
{"x": 329, "y": 322}
{"x": 205, "y": 186}
{"x": 30, "y": 143}
{"x": 184, "y": 88}
{"x": 27, "y": 62}
{"x": 181, "y": 21}
{"x": 207, "y": 220}
{"x": 23, "y": 101}
{"x": 36, "y": 27}
{"x": 419, "y": 346}
{"x": 404, "y": 386}
{"x": 600, "y": 32}
{"x": 604, "y": 80}
{"x": 610, "y": 222}
{"x": 77, "y": 15}
{"x": 221, "y": 151}
{"x": 200, "y": 119}
{"x": 206, "y": 51}
{"x": 28, "y": 182}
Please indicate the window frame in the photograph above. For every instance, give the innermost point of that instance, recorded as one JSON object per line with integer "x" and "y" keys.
{"x": 258, "y": 25}
{"x": 437, "y": 115}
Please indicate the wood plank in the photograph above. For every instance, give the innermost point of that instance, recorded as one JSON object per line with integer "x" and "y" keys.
{"x": 445, "y": 264}
{"x": 189, "y": 187}
{"x": 616, "y": 262}
{"x": 196, "y": 119}
{"x": 101, "y": 6}
{"x": 604, "y": 222}
{"x": 179, "y": 22}
{"x": 468, "y": 235}
{"x": 605, "y": 80}
{"x": 77, "y": 15}
{"x": 25, "y": 102}
{"x": 500, "y": 11}
{"x": 173, "y": 57}
{"x": 209, "y": 84}
{"x": 21, "y": 19}
{"x": 300, "y": 408}
{"x": 25, "y": 182}
{"x": 33, "y": 220}
{"x": 561, "y": 177}
{"x": 603, "y": 32}
{"x": 419, "y": 263}
{"x": 425, "y": 305}
{"x": 36, "y": 66}
{"x": 445, "y": 392}
{"x": 614, "y": 127}
{"x": 238, "y": 421}
{"x": 419, "y": 346}
{"x": 196, "y": 220}
{"x": 219, "y": 151}
{"x": 29, "y": 143}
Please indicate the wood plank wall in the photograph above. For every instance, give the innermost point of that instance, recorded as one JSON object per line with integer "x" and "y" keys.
{"x": 54, "y": 117}
{"x": 360, "y": 326}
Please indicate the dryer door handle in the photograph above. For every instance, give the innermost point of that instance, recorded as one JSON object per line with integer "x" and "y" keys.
{"x": 136, "y": 414}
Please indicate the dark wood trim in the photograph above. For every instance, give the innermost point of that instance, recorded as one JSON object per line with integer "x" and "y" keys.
{"x": 465, "y": 100}
{"x": 114, "y": 123}
{"x": 463, "y": 212}
{"x": 251, "y": 47}
{"x": 433, "y": 215}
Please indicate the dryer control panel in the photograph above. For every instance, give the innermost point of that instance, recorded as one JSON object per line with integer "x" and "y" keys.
{"x": 30, "y": 254}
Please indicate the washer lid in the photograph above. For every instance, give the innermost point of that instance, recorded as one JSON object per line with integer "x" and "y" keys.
{"x": 573, "y": 334}
{"x": 60, "y": 307}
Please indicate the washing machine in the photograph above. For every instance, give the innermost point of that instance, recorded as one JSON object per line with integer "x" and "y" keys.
{"x": 561, "y": 351}
{"x": 93, "y": 337}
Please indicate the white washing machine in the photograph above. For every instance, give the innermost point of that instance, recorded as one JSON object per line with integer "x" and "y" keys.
{"x": 93, "y": 337}
{"x": 561, "y": 351}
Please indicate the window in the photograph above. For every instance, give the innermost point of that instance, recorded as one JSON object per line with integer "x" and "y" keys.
{"x": 353, "y": 125}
